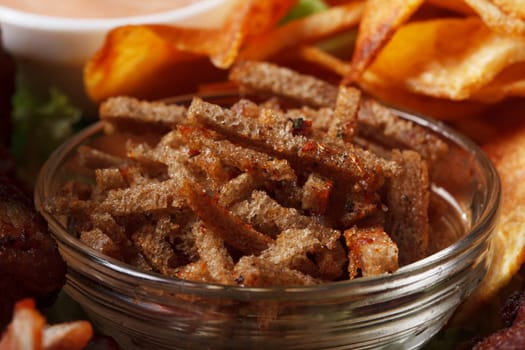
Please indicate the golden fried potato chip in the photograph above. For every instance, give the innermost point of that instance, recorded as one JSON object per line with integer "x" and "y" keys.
{"x": 380, "y": 20}
{"x": 454, "y": 5}
{"x": 25, "y": 329}
{"x": 305, "y": 30}
{"x": 247, "y": 19}
{"x": 135, "y": 60}
{"x": 449, "y": 58}
{"x": 395, "y": 95}
{"x": 156, "y": 60}
{"x": 437, "y": 108}
{"x": 504, "y": 16}
{"x": 507, "y": 151}
{"x": 323, "y": 59}
{"x": 28, "y": 331}
{"x": 515, "y": 7}
{"x": 509, "y": 83}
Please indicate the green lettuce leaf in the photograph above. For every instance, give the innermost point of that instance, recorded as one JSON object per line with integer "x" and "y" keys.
{"x": 39, "y": 127}
{"x": 304, "y": 8}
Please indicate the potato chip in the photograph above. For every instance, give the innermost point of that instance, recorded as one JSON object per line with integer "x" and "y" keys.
{"x": 323, "y": 59}
{"x": 28, "y": 331}
{"x": 514, "y": 7}
{"x": 507, "y": 151}
{"x": 141, "y": 61}
{"x": 153, "y": 61}
{"x": 380, "y": 21}
{"x": 504, "y": 16}
{"x": 25, "y": 329}
{"x": 510, "y": 82}
{"x": 305, "y": 30}
{"x": 445, "y": 58}
{"x": 438, "y": 108}
{"x": 454, "y": 5}
{"x": 247, "y": 19}
{"x": 69, "y": 335}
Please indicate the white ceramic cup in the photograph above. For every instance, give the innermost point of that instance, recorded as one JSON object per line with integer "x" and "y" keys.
{"x": 51, "y": 51}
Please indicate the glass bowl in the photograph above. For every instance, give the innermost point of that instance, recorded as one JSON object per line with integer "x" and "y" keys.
{"x": 402, "y": 310}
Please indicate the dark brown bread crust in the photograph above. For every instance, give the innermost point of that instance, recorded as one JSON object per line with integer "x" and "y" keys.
{"x": 267, "y": 77}
{"x": 131, "y": 113}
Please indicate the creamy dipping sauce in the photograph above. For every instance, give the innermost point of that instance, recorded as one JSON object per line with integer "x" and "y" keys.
{"x": 95, "y": 8}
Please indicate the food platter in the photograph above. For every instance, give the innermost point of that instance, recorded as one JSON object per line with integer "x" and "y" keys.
{"x": 461, "y": 63}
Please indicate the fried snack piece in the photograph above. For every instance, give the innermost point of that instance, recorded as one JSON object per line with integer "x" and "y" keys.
{"x": 255, "y": 163}
{"x": 30, "y": 264}
{"x": 443, "y": 63}
{"x": 371, "y": 252}
{"x": 92, "y": 158}
{"x": 380, "y": 21}
{"x": 213, "y": 252}
{"x": 507, "y": 151}
{"x": 263, "y": 212}
{"x": 504, "y": 16}
{"x": 312, "y": 28}
{"x": 267, "y": 77}
{"x": 453, "y": 5}
{"x": 109, "y": 179}
{"x": 252, "y": 271}
{"x": 449, "y": 58}
{"x": 377, "y": 122}
{"x": 159, "y": 60}
{"x": 399, "y": 97}
{"x": 237, "y": 189}
{"x": 143, "y": 197}
{"x": 195, "y": 271}
{"x": 408, "y": 199}
{"x": 247, "y": 19}
{"x": 508, "y": 83}
{"x": 268, "y": 216}
{"x": 438, "y": 108}
{"x": 316, "y": 194}
{"x": 344, "y": 124}
{"x": 345, "y": 162}
{"x": 127, "y": 112}
{"x": 29, "y": 331}
{"x": 229, "y": 227}
{"x": 323, "y": 59}
{"x": 101, "y": 242}
{"x": 153, "y": 243}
